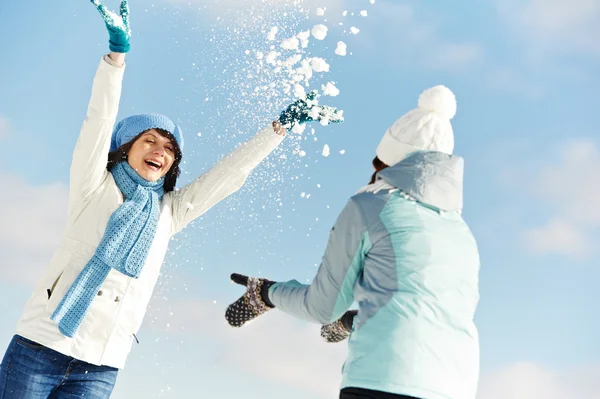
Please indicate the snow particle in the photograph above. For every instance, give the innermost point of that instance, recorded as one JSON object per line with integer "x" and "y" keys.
{"x": 320, "y": 12}
{"x": 341, "y": 49}
{"x": 330, "y": 90}
{"x": 290, "y": 44}
{"x": 319, "y": 32}
{"x": 354, "y": 30}
{"x": 299, "y": 91}
{"x": 304, "y": 35}
{"x": 272, "y": 33}
{"x": 363, "y": 13}
{"x": 319, "y": 65}
{"x": 326, "y": 151}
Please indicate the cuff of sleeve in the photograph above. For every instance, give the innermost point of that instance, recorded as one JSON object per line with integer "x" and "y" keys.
{"x": 268, "y": 135}
{"x": 112, "y": 63}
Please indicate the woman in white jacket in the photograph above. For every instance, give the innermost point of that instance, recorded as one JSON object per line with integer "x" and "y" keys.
{"x": 78, "y": 326}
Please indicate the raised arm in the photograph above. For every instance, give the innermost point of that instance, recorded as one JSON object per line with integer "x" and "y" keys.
{"x": 88, "y": 166}
{"x": 230, "y": 174}
{"x": 224, "y": 179}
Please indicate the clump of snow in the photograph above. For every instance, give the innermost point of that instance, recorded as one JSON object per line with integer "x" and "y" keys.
{"x": 363, "y": 13}
{"x": 314, "y": 113}
{"x": 354, "y": 30}
{"x": 320, "y": 12}
{"x": 319, "y": 65}
{"x": 299, "y": 128}
{"x": 341, "y": 49}
{"x": 342, "y": 152}
{"x": 272, "y": 33}
{"x": 302, "y": 153}
{"x": 345, "y": 13}
{"x": 329, "y": 89}
{"x": 271, "y": 57}
{"x": 299, "y": 91}
{"x": 326, "y": 151}
{"x": 290, "y": 43}
{"x": 319, "y": 31}
{"x": 303, "y": 36}
{"x": 293, "y": 60}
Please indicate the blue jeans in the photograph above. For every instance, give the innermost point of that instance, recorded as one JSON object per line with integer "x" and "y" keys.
{"x": 32, "y": 371}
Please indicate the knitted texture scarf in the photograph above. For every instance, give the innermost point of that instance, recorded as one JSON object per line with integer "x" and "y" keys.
{"x": 124, "y": 246}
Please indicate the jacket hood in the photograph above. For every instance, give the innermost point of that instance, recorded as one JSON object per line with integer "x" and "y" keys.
{"x": 431, "y": 177}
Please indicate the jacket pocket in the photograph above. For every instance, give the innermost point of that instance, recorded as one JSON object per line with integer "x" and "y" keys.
{"x": 51, "y": 289}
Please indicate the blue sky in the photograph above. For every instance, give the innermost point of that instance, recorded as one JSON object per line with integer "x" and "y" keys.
{"x": 525, "y": 77}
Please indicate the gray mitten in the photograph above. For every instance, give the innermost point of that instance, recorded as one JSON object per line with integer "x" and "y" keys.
{"x": 252, "y": 304}
{"x": 340, "y": 329}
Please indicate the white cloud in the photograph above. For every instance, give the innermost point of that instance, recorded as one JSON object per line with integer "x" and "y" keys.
{"x": 570, "y": 186}
{"x": 32, "y": 218}
{"x": 560, "y": 237}
{"x": 554, "y": 26}
{"x": 292, "y": 354}
{"x": 290, "y": 350}
{"x": 531, "y": 381}
{"x": 515, "y": 81}
{"x": 416, "y": 40}
{"x": 456, "y": 55}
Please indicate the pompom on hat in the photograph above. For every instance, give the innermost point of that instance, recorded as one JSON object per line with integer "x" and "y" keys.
{"x": 425, "y": 128}
{"x": 128, "y": 128}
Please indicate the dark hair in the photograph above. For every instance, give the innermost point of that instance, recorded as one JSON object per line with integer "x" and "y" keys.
{"x": 379, "y": 166}
{"x": 120, "y": 154}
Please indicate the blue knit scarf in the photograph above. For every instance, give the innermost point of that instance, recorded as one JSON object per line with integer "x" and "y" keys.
{"x": 124, "y": 246}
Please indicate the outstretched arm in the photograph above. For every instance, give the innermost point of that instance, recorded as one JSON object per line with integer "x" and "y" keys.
{"x": 224, "y": 179}
{"x": 88, "y": 166}
{"x": 331, "y": 292}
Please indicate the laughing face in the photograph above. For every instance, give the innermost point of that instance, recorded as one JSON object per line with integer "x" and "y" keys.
{"x": 151, "y": 155}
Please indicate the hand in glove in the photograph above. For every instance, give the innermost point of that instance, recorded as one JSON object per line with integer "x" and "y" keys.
{"x": 340, "y": 329}
{"x": 308, "y": 110}
{"x": 252, "y": 304}
{"x": 117, "y": 25}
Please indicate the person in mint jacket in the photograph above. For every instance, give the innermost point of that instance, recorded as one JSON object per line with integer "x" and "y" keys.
{"x": 402, "y": 251}
{"x": 79, "y": 324}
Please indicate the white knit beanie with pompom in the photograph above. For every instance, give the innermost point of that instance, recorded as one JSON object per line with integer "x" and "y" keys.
{"x": 426, "y": 128}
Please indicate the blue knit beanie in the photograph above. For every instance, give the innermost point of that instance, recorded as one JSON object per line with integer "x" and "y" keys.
{"x": 133, "y": 125}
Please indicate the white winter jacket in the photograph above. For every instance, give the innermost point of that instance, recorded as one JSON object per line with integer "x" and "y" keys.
{"x": 107, "y": 332}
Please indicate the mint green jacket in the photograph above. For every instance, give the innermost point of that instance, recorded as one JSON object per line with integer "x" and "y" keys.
{"x": 410, "y": 261}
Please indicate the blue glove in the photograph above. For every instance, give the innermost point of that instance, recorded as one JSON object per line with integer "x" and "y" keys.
{"x": 308, "y": 110}
{"x": 117, "y": 25}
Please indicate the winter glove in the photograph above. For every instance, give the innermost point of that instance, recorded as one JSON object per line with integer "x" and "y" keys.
{"x": 340, "y": 329}
{"x": 308, "y": 110}
{"x": 117, "y": 25}
{"x": 252, "y": 304}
